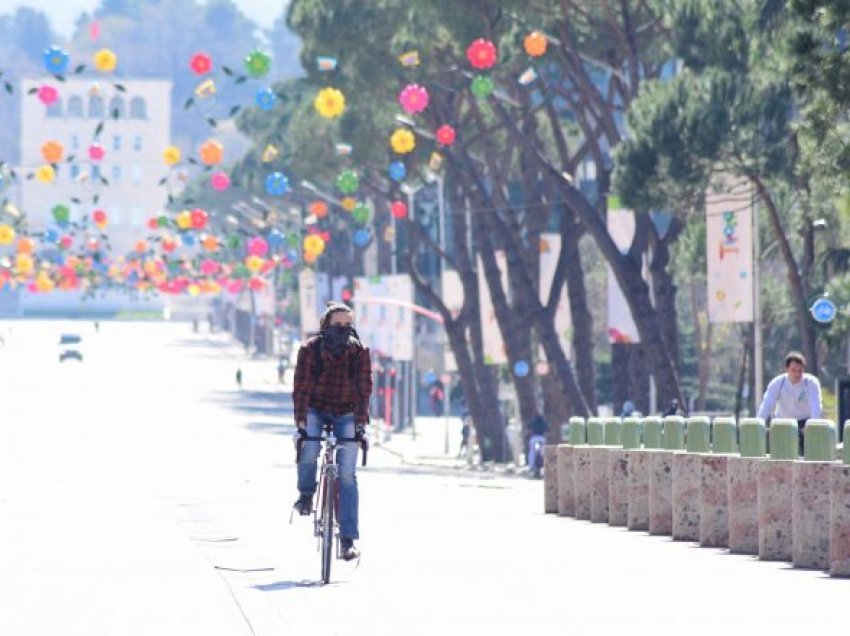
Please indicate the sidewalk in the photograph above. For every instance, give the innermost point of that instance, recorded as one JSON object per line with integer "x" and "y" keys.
{"x": 426, "y": 446}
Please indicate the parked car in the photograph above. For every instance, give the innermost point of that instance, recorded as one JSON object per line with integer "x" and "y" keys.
{"x": 69, "y": 347}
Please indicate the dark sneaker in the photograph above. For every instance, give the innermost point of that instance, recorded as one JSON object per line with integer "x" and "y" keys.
{"x": 304, "y": 505}
{"x": 349, "y": 550}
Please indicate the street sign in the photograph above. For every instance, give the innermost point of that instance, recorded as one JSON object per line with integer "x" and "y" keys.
{"x": 823, "y": 310}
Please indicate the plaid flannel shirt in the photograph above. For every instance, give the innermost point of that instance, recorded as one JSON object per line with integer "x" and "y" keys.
{"x": 334, "y": 390}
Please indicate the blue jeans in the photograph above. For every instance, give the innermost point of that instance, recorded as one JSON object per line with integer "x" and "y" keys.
{"x": 532, "y": 454}
{"x": 346, "y": 458}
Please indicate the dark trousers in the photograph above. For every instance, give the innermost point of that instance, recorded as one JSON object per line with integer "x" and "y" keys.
{"x": 801, "y": 424}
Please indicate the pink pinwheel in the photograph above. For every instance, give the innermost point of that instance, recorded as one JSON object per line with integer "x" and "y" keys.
{"x": 413, "y": 99}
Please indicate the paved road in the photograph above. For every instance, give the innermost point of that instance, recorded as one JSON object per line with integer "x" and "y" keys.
{"x": 142, "y": 494}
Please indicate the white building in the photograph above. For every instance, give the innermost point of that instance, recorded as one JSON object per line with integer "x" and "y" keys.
{"x": 133, "y": 144}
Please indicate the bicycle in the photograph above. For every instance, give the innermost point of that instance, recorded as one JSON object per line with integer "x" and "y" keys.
{"x": 325, "y": 524}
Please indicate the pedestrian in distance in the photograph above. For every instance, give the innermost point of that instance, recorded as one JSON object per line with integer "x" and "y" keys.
{"x": 794, "y": 394}
{"x": 333, "y": 382}
{"x": 239, "y": 377}
{"x": 537, "y": 429}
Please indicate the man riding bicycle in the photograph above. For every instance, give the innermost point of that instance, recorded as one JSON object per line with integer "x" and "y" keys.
{"x": 333, "y": 383}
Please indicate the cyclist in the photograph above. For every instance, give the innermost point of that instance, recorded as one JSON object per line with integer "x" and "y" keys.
{"x": 333, "y": 381}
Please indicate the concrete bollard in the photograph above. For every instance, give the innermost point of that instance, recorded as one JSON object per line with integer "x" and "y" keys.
{"x": 698, "y": 439}
{"x": 638, "y": 489}
{"x": 599, "y": 484}
{"x": 724, "y": 435}
{"x": 582, "y": 481}
{"x": 661, "y": 492}
{"x": 618, "y": 487}
{"x": 631, "y": 432}
{"x": 784, "y": 439}
{"x": 686, "y": 487}
{"x": 753, "y": 437}
{"x": 550, "y": 478}
{"x": 595, "y": 431}
{"x": 714, "y": 501}
{"x": 566, "y": 487}
{"x": 839, "y": 521}
{"x": 775, "y": 505}
{"x": 612, "y": 431}
{"x": 578, "y": 431}
{"x": 821, "y": 440}
{"x": 743, "y": 505}
{"x": 652, "y": 432}
{"x": 673, "y": 436}
{"x": 810, "y": 514}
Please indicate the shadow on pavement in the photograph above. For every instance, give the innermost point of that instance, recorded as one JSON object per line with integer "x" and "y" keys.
{"x": 270, "y": 403}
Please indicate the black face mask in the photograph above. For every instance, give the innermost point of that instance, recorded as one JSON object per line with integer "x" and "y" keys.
{"x": 336, "y": 338}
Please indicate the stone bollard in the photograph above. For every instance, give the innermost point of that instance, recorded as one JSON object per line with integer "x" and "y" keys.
{"x": 618, "y": 487}
{"x": 753, "y": 437}
{"x": 784, "y": 439}
{"x": 686, "y": 480}
{"x": 776, "y": 494}
{"x": 566, "y": 487}
{"x": 582, "y": 481}
{"x": 743, "y": 488}
{"x": 638, "y": 489}
{"x": 550, "y": 478}
{"x": 599, "y": 484}
{"x": 821, "y": 440}
{"x": 724, "y": 435}
{"x": 811, "y": 486}
{"x": 839, "y": 518}
{"x": 652, "y": 432}
{"x": 631, "y": 432}
{"x": 698, "y": 438}
{"x": 578, "y": 431}
{"x": 612, "y": 431}
{"x": 595, "y": 431}
{"x": 686, "y": 485}
{"x": 714, "y": 501}
{"x": 673, "y": 436}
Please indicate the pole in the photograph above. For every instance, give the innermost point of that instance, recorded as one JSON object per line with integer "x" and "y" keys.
{"x": 758, "y": 362}
{"x": 446, "y": 379}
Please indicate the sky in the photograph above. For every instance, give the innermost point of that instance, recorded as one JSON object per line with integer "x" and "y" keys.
{"x": 63, "y": 13}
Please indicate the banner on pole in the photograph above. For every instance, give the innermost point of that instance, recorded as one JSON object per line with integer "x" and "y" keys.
{"x": 729, "y": 243}
{"x": 621, "y": 325}
{"x": 550, "y": 251}
{"x": 308, "y": 301}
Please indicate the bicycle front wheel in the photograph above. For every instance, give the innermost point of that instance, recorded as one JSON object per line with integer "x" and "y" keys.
{"x": 328, "y": 527}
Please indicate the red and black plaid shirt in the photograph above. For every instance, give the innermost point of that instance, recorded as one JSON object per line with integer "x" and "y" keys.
{"x": 334, "y": 389}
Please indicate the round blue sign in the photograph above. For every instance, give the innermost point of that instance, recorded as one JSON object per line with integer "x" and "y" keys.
{"x": 823, "y": 310}
{"x": 521, "y": 369}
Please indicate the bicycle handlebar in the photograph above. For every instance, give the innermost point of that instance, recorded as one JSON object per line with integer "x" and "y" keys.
{"x": 302, "y": 437}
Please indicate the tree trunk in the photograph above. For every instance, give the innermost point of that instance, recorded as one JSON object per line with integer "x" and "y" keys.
{"x": 664, "y": 287}
{"x": 702, "y": 343}
{"x": 639, "y": 373}
{"x": 582, "y": 320}
{"x": 619, "y": 375}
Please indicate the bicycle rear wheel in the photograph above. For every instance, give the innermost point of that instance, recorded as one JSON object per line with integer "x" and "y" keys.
{"x": 328, "y": 526}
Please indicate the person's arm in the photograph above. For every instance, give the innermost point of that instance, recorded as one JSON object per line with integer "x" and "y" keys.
{"x": 363, "y": 390}
{"x": 815, "y": 400}
{"x": 302, "y": 385}
{"x": 768, "y": 402}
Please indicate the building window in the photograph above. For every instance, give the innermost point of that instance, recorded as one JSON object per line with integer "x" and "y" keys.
{"x": 138, "y": 108}
{"x": 136, "y": 216}
{"x": 116, "y": 173}
{"x": 137, "y": 174}
{"x": 75, "y": 171}
{"x": 115, "y": 216}
{"x": 96, "y": 173}
{"x": 137, "y": 142}
{"x": 55, "y": 109}
{"x": 97, "y": 109}
{"x": 75, "y": 106}
{"x": 116, "y": 142}
{"x": 75, "y": 142}
{"x": 116, "y": 108}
